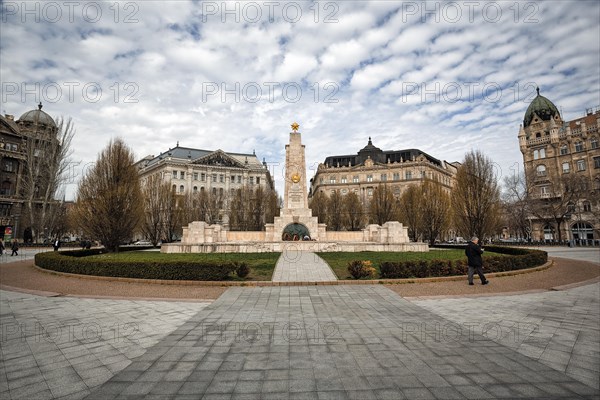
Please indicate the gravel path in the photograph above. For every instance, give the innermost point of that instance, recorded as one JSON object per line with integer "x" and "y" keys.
{"x": 563, "y": 272}
{"x": 23, "y": 275}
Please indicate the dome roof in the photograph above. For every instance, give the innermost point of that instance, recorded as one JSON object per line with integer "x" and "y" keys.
{"x": 38, "y": 117}
{"x": 542, "y": 107}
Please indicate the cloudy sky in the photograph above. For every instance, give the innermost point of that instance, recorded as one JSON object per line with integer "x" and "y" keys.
{"x": 441, "y": 77}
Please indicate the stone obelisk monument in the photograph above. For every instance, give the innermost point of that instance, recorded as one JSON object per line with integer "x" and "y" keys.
{"x": 295, "y": 216}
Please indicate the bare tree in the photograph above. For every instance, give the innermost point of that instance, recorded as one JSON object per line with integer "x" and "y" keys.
{"x": 109, "y": 199}
{"x": 409, "y": 211}
{"x": 318, "y": 205}
{"x": 476, "y": 197}
{"x": 335, "y": 206}
{"x": 516, "y": 200}
{"x": 353, "y": 212}
{"x": 434, "y": 209}
{"x": 382, "y": 206}
{"x": 156, "y": 194}
{"x": 559, "y": 201}
{"x": 250, "y": 209}
{"x": 46, "y": 168}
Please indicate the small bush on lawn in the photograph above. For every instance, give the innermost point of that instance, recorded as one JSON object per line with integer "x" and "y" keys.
{"x": 176, "y": 270}
{"x": 361, "y": 269}
{"x": 241, "y": 269}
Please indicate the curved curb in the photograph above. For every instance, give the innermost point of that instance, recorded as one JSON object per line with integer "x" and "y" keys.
{"x": 547, "y": 265}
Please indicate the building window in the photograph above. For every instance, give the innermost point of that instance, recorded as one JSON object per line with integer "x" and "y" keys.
{"x": 587, "y": 207}
{"x": 579, "y": 146}
{"x": 221, "y": 178}
{"x": 195, "y": 176}
{"x": 566, "y": 168}
{"x": 9, "y": 166}
{"x": 408, "y": 175}
{"x": 174, "y": 174}
{"x": 181, "y": 189}
{"x": 594, "y": 143}
{"x": 370, "y": 192}
{"x": 369, "y": 178}
{"x": 544, "y": 191}
{"x": 174, "y": 188}
{"x": 596, "y": 162}
{"x": 202, "y": 177}
{"x": 537, "y": 154}
{"x": 182, "y": 175}
{"x": 580, "y": 165}
{"x": 321, "y": 181}
{"x": 541, "y": 170}
{"x": 214, "y": 178}
{"x": 571, "y": 208}
{"x": 239, "y": 179}
{"x": 396, "y": 176}
{"x": 383, "y": 177}
{"x": 332, "y": 179}
{"x": 195, "y": 189}
{"x": 344, "y": 179}
{"x": 252, "y": 180}
{"x": 355, "y": 179}
{"x": 214, "y": 191}
{"x": 344, "y": 191}
{"x": 564, "y": 149}
{"x": 422, "y": 174}
{"x": 257, "y": 180}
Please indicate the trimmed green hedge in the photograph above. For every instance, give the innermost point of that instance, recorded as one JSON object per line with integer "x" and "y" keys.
{"x": 74, "y": 262}
{"x": 511, "y": 260}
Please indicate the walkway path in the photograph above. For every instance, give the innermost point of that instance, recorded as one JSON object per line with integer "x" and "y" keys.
{"x": 333, "y": 342}
{"x": 302, "y": 266}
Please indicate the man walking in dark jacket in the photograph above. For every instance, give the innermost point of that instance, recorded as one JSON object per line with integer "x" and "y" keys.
{"x": 473, "y": 253}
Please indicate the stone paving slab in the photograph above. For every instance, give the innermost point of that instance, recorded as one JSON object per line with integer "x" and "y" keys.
{"x": 559, "y": 329}
{"x": 56, "y": 347}
{"x": 301, "y": 266}
{"x": 332, "y": 342}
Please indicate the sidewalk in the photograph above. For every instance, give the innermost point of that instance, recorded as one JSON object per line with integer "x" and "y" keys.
{"x": 302, "y": 266}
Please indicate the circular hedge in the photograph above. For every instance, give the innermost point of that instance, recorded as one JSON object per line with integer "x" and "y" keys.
{"x": 75, "y": 262}
{"x": 511, "y": 259}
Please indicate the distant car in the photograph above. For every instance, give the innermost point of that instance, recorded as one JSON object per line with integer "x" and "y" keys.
{"x": 142, "y": 243}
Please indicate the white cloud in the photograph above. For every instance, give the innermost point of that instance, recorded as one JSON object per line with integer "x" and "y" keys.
{"x": 165, "y": 60}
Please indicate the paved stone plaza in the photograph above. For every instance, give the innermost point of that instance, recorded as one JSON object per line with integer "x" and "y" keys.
{"x": 303, "y": 342}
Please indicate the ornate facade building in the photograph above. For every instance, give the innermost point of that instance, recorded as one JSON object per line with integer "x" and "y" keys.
{"x": 562, "y": 170}
{"x": 194, "y": 170}
{"x": 15, "y": 138}
{"x": 397, "y": 169}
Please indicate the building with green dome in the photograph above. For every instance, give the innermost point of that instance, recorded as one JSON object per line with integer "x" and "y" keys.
{"x": 562, "y": 169}
{"x": 25, "y": 145}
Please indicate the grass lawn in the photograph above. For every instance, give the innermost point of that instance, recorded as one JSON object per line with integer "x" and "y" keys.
{"x": 261, "y": 265}
{"x": 339, "y": 261}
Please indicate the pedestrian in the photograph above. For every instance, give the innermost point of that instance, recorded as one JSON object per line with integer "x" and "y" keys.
{"x": 1, "y": 246}
{"x": 14, "y": 248}
{"x": 56, "y": 244}
{"x": 473, "y": 253}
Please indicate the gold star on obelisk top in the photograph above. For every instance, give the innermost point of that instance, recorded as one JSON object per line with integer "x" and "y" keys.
{"x": 295, "y": 127}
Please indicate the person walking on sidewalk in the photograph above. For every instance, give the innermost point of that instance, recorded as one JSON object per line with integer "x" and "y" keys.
{"x": 473, "y": 253}
{"x": 14, "y": 248}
